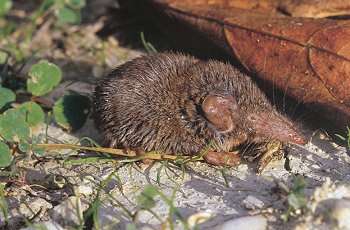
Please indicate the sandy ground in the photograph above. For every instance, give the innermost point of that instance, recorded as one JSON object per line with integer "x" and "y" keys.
{"x": 201, "y": 188}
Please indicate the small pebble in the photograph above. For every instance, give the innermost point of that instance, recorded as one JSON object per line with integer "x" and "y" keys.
{"x": 66, "y": 211}
{"x": 242, "y": 223}
{"x": 199, "y": 218}
{"x": 251, "y": 202}
{"x": 84, "y": 190}
{"x": 341, "y": 213}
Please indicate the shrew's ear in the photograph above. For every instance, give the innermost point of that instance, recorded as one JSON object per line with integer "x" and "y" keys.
{"x": 220, "y": 111}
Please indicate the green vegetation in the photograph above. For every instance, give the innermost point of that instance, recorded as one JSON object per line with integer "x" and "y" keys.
{"x": 3, "y": 205}
{"x": 148, "y": 46}
{"x": 296, "y": 198}
{"x": 345, "y": 139}
{"x": 19, "y": 115}
{"x": 23, "y": 106}
{"x": 145, "y": 201}
{"x": 71, "y": 111}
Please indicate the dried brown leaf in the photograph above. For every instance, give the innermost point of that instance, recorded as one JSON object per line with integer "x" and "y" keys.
{"x": 315, "y": 8}
{"x": 308, "y": 59}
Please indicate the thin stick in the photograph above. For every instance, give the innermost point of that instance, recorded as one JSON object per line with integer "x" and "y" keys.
{"x": 119, "y": 152}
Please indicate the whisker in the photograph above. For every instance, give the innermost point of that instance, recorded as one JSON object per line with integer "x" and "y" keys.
{"x": 246, "y": 147}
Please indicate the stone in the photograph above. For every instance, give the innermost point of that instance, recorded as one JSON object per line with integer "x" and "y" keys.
{"x": 251, "y": 202}
{"x": 242, "y": 223}
{"x": 69, "y": 212}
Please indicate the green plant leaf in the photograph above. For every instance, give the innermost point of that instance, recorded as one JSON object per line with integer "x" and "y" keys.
{"x": 43, "y": 76}
{"x": 39, "y": 150}
{"x": 13, "y": 126}
{"x": 33, "y": 113}
{"x": 3, "y": 57}
{"x": 146, "y": 199}
{"x": 341, "y": 137}
{"x": 300, "y": 185}
{"x": 5, "y": 6}
{"x": 148, "y": 46}
{"x": 297, "y": 200}
{"x": 3, "y": 204}
{"x": 5, "y": 155}
{"x": 24, "y": 146}
{"x": 59, "y": 2}
{"x": 71, "y": 111}
{"x": 131, "y": 226}
{"x": 8, "y": 28}
{"x": 76, "y": 4}
{"x": 160, "y": 169}
{"x": 6, "y": 96}
{"x": 67, "y": 15}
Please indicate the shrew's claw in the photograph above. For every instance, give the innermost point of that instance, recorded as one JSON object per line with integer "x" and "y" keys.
{"x": 274, "y": 152}
{"x": 266, "y": 152}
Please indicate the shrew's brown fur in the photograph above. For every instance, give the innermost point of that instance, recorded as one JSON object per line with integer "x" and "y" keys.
{"x": 156, "y": 102}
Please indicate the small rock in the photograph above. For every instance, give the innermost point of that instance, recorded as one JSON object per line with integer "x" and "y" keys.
{"x": 34, "y": 207}
{"x": 341, "y": 213}
{"x": 329, "y": 190}
{"x": 328, "y": 208}
{"x": 84, "y": 190}
{"x": 88, "y": 179}
{"x": 68, "y": 212}
{"x": 242, "y": 223}
{"x": 108, "y": 216}
{"x": 251, "y": 202}
{"x": 54, "y": 182}
{"x": 199, "y": 217}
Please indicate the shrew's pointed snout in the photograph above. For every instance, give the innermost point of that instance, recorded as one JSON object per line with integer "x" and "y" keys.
{"x": 276, "y": 127}
{"x": 297, "y": 138}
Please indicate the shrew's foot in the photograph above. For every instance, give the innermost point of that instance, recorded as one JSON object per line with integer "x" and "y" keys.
{"x": 222, "y": 158}
{"x": 139, "y": 151}
{"x": 266, "y": 152}
{"x": 274, "y": 152}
